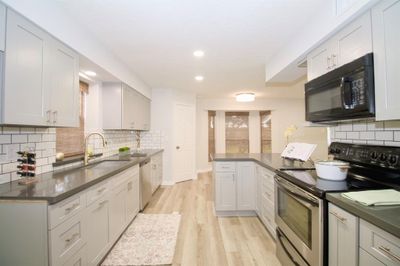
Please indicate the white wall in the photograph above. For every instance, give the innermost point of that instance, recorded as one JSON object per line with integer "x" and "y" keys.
{"x": 162, "y": 119}
{"x": 285, "y": 112}
{"x": 50, "y": 17}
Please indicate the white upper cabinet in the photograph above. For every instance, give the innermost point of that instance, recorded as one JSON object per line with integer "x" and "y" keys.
{"x": 124, "y": 107}
{"x": 65, "y": 86}
{"x": 350, "y": 43}
{"x": 41, "y": 84}
{"x": 2, "y": 27}
{"x": 27, "y": 73}
{"x": 386, "y": 40}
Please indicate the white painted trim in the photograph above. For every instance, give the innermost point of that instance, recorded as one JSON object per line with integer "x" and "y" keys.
{"x": 205, "y": 170}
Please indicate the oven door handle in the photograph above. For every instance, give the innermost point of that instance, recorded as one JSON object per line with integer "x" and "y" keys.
{"x": 280, "y": 237}
{"x": 306, "y": 200}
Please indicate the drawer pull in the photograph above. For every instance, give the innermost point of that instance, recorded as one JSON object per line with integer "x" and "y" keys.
{"x": 340, "y": 218}
{"x": 72, "y": 208}
{"x": 389, "y": 253}
{"x": 101, "y": 204}
{"x": 69, "y": 240}
{"x": 101, "y": 190}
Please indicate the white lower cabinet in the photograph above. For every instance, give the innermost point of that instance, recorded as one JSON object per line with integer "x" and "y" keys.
{"x": 225, "y": 191}
{"x": 132, "y": 197}
{"x": 353, "y": 241}
{"x": 98, "y": 229}
{"x": 78, "y": 259}
{"x": 118, "y": 210}
{"x": 245, "y": 188}
{"x": 156, "y": 171}
{"x": 343, "y": 237}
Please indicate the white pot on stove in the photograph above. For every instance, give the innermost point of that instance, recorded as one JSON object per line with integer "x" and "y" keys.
{"x": 332, "y": 170}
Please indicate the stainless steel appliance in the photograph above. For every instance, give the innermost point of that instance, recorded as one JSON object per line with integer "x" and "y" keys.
{"x": 145, "y": 183}
{"x": 344, "y": 93}
{"x": 301, "y": 209}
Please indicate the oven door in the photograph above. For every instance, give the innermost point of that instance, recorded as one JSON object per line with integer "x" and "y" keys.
{"x": 298, "y": 214}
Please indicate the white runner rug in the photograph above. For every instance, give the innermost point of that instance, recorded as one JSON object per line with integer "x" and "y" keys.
{"x": 149, "y": 240}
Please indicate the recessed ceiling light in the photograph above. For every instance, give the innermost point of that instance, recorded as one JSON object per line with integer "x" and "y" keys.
{"x": 245, "y": 97}
{"x": 198, "y": 53}
{"x": 90, "y": 73}
{"x": 199, "y": 78}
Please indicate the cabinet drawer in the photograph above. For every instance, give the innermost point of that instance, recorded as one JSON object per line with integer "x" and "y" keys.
{"x": 66, "y": 239}
{"x": 78, "y": 259}
{"x": 225, "y": 167}
{"x": 368, "y": 259}
{"x": 97, "y": 192}
{"x": 268, "y": 193}
{"x": 268, "y": 214}
{"x": 379, "y": 243}
{"x": 61, "y": 211}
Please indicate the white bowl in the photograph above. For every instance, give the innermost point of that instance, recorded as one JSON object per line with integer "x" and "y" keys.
{"x": 332, "y": 170}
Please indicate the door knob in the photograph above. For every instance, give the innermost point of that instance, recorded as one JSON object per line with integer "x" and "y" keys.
{"x": 177, "y": 147}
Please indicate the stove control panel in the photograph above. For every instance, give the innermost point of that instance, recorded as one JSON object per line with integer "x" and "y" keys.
{"x": 383, "y": 156}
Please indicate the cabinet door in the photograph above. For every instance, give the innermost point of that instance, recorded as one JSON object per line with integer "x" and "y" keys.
{"x": 97, "y": 226}
{"x": 129, "y": 111}
{"x": 343, "y": 237}
{"x": 2, "y": 26}
{"x": 225, "y": 192}
{"x": 386, "y": 43}
{"x": 132, "y": 200}
{"x": 117, "y": 211}
{"x": 27, "y": 73}
{"x": 245, "y": 186}
{"x": 318, "y": 62}
{"x": 112, "y": 105}
{"x": 65, "y": 86}
{"x": 258, "y": 192}
{"x": 354, "y": 41}
{"x": 146, "y": 105}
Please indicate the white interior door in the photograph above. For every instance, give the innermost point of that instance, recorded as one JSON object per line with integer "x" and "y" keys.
{"x": 184, "y": 141}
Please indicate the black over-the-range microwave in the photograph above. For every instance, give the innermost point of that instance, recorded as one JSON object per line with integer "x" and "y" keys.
{"x": 344, "y": 93}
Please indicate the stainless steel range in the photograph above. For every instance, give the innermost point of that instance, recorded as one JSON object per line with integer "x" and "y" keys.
{"x": 301, "y": 208}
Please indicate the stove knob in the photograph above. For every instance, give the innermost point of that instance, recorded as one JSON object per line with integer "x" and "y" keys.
{"x": 383, "y": 157}
{"x": 338, "y": 151}
{"x": 393, "y": 159}
{"x": 374, "y": 155}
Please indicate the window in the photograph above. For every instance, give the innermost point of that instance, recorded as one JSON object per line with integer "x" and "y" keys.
{"x": 236, "y": 132}
{"x": 211, "y": 134}
{"x": 70, "y": 141}
{"x": 266, "y": 140}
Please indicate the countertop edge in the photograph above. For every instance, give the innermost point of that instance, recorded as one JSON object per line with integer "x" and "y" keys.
{"x": 246, "y": 160}
{"x": 58, "y": 198}
{"x": 355, "y": 209}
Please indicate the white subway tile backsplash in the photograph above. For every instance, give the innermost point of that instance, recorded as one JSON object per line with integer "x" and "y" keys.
{"x": 368, "y": 135}
{"x": 392, "y": 143}
{"x": 9, "y": 167}
{"x": 360, "y": 126}
{"x": 5, "y": 139}
{"x": 34, "y": 137}
{"x": 346, "y": 127}
{"x": 19, "y": 138}
{"x": 375, "y": 142}
{"x": 397, "y": 136}
{"x": 375, "y": 125}
{"x": 340, "y": 135}
{"x": 353, "y": 135}
{"x": 5, "y": 178}
{"x": 11, "y": 130}
{"x": 384, "y": 135}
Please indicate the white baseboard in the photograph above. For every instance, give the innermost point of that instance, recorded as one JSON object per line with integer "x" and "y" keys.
{"x": 199, "y": 171}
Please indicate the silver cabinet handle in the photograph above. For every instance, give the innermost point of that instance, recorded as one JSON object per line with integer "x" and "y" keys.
{"x": 101, "y": 204}
{"x": 177, "y": 147}
{"x": 48, "y": 115}
{"x": 73, "y": 207}
{"x": 101, "y": 190}
{"x": 55, "y": 117}
{"x": 333, "y": 60}
{"x": 69, "y": 240}
{"x": 328, "y": 62}
{"x": 340, "y": 218}
{"x": 389, "y": 253}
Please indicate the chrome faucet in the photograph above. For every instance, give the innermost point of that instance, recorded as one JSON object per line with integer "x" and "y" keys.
{"x": 87, "y": 157}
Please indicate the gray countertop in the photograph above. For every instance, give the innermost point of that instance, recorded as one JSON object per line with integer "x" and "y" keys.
{"x": 272, "y": 161}
{"x": 385, "y": 217}
{"x": 58, "y": 185}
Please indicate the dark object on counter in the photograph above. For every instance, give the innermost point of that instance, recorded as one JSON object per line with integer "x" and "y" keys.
{"x": 27, "y": 167}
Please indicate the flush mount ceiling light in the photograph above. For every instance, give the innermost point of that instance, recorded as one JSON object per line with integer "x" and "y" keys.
{"x": 90, "y": 73}
{"x": 245, "y": 97}
{"x": 198, "y": 53}
{"x": 199, "y": 78}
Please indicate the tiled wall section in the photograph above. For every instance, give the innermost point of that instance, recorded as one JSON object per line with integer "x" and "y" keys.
{"x": 13, "y": 139}
{"x": 43, "y": 142}
{"x": 368, "y": 132}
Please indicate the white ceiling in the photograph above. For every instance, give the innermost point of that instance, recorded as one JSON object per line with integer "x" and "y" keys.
{"x": 156, "y": 38}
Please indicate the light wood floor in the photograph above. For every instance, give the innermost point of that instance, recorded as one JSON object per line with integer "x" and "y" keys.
{"x": 203, "y": 238}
